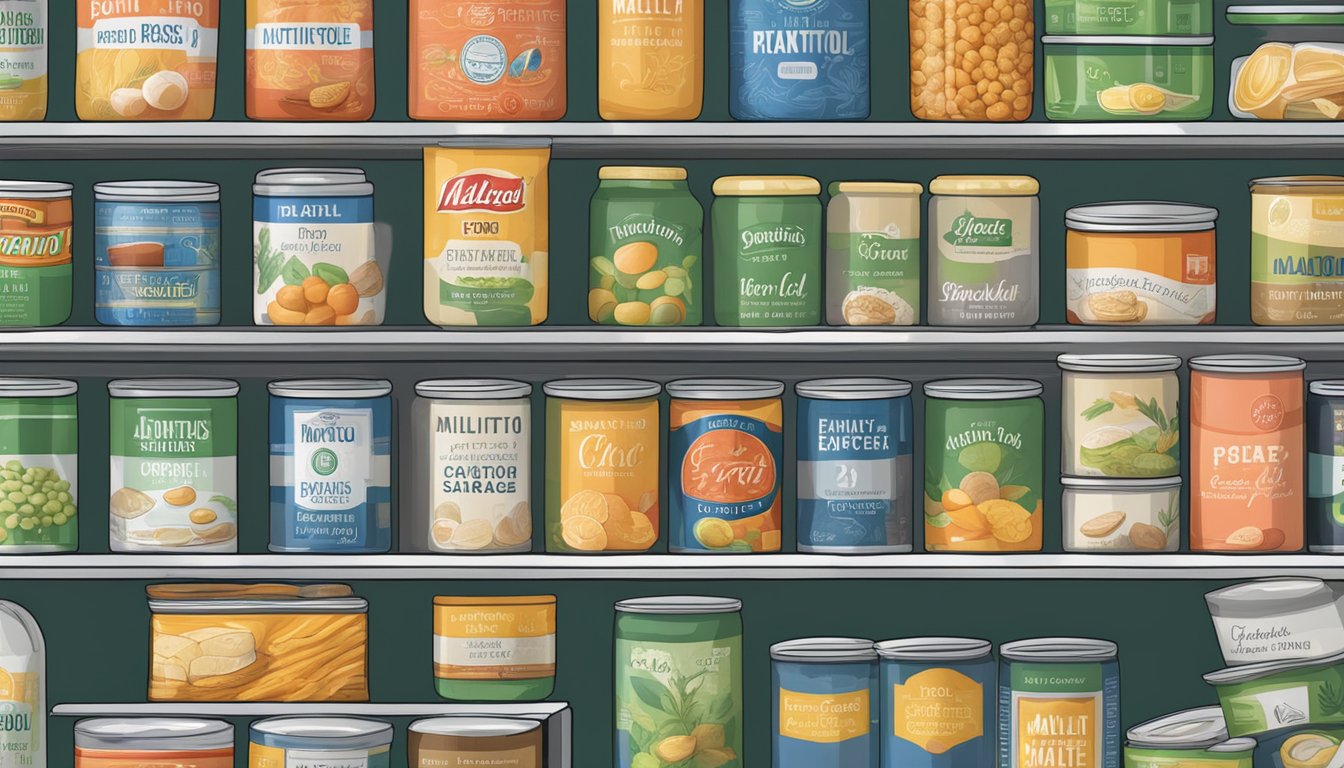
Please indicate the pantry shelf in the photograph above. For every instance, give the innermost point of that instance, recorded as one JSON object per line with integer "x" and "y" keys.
{"x": 404, "y": 140}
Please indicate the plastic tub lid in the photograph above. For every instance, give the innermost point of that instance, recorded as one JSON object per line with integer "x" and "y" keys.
{"x": 602, "y": 389}
{"x": 157, "y": 191}
{"x": 1126, "y": 484}
{"x": 37, "y": 387}
{"x": 983, "y": 389}
{"x": 768, "y": 186}
{"x": 853, "y": 389}
{"x": 824, "y": 650}
{"x": 1189, "y": 729}
{"x": 641, "y": 173}
{"x": 153, "y": 733}
{"x": 875, "y": 188}
{"x": 985, "y": 185}
{"x": 474, "y": 727}
{"x": 1126, "y": 40}
{"x": 1141, "y": 216}
{"x": 334, "y": 388}
{"x": 933, "y": 649}
{"x": 301, "y": 182}
{"x": 172, "y": 388}
{"x": 1246, "y": 363}
{"x": 1118, "y": 363}
{"x": 1286, "y": 15}
{"x": 1059, "y": 649}
{"x": 724, "y": 389}
{"x": 679, "y": 605}
{"x": 329, "y": 733}
{"x": 36, "y": 190}
{"x": 473, "y": 389}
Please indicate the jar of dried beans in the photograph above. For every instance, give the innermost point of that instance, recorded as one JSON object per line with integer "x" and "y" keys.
{"x": 972, "y": 59}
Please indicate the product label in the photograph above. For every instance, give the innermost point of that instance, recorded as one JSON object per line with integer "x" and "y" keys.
{"x": 273, "y": 757}
{"x": 878, "y": 277}
{"x": 310, "y": 60}
{"x": 648, "y": 272}
{"x": 823, "y": 718}
{"x": 39, "y": 446}
{"x": 35, "y": 253}
{"x": 523, "y": 757}
{"x": 767, "y": 270}
{"x": 333, "y": 452}
{"x": 157, "y": 265}
{"x": 1122, "y": 425}
{"x": 983, "y": 268}
{"x": 1116, "y": 295}
{"x": 650, "y": 62}
{"x": 308, "y": 37}
{"x": 23, "y": 59}
{"x": 21, "y": 716}
{"x": 938, "y": 709}
{"x": 150, "y": 33}
{"x": 799, "y": 59}
{"x": 1297, "y": 259}
{"x": 493, "y": 642}
{"x": 300, "y": 241}
{"x": 1308, "y": 634}
{"x": 1060, "y": 715}
{"x": 480, "y": 466}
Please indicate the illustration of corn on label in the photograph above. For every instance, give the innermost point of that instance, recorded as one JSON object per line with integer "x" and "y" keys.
{"x": 494, "y": 642}
{"x": 824, "y": 718}
{"x": 310, "y": 60}
{"x": 938, "y": 709}
{"x": 23, "y": 59}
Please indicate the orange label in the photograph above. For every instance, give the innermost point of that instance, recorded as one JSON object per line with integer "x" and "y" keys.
{"x": 938, "y": 709}
{"x": 494, "y": 642}
{"x": 1058, "y": 732}
{"x": 650, "y": 59}
{"x": 494, "y": 620}
{"x": 310, "y": 59}
{"x": 1327, "y": 208}
{"x": 823, "y": 718}
{"x": 34, "y": 233}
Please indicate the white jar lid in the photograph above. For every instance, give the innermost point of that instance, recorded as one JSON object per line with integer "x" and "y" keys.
{"x": 157, "y": 191}
{"x": 37, "y": 387}
{"x": 679, "y": 605}
{"x": 1141, "y": 216}
{"x": 36, "y": 190}
{"x": 330, "y": 388}
{"x": 824, "y": 650}
{"x": 853, "y": 389}
{"x": 1119, "y": 363}
{"x": 473, "y": 389}
{"x": 474, "y": 727}
{"x": 1058, "y": 650}
{"x": 172, "y": 388}
{"x": 312, "y": 182}
{"x": 1246, "y": 364}
{"x": 934, "y": 649}
{"x": 724, "y": 389}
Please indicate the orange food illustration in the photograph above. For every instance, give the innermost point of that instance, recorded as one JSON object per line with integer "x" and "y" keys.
{"x": 728, "y": 466}
{"x": 310, "y": 59}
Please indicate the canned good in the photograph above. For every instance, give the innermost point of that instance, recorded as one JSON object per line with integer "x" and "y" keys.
{"x": 1122, "y": 515}
{"x": 854, "y": 475}
{"x": 1141, "y": 264}
{"x": 646, "y": 229}
{"x": 35, "y": 251}
{"x": 1059, "y": 703}
{"x": 1137, "y": 17}
{"x": 1274, "y": 619}
{"x": 687, "y": 650}
{"x": 1246, "y": 446}
{"x": 179, "y": 742}
{"x": 602, "y": 439}
{"x": 1325, "y": 466}
{"x": 310, "y": 61}
{"x": 460, "y": 740}
{"x": 950, "y": 45}
{"x": 474, "y": 465}
{"x": 39, "y": 465}
{"x": 1194, "y": 738}
{"x": 984, "y": 447}
{"x": 157, "y": 252}
{"x": 767, "y": 251}
{"x": 872, "y": 253}
{"x": 174, "y": 467}
{"x": 23, "y": 59}
{"x": 1122, "y": 415}
{"x": 296, "y": 740}
{"x": 824, "y": 707}
{"x": 1297, "y": 231}
{"x": 331, "y": 457}
{"x": 651, "y": 60}
{"x": 1131, "y": 77}
{"x": 494, "y": 648}
{"x": 938, "y": 702}
{"x": 725, "y": 453}
{"x": 25, "y": 658}
{"x": 984, "y": 261}
{"x": 1261, "y": 698}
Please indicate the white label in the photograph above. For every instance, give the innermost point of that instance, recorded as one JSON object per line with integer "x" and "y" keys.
{"x": 194, "y": 525}
{"x": 307, "y": 758}
{"x": 1168, "y": 301}
{"x": 494, "y": 651}
{"x": 23, "y": 38}
{"x": 151, "y": 33}
{"x": 333, "y": 458}
{"x": 1285, "y": 706}
{"x": 481, "y": 258}
{"x": 308, "y": 36}
{"x": 796, "y": 70}
{"x": 847, "y": 479}
{"x": 480, "y": 463}
{"x": 1312, "y": 634}
{"x": 347, "y": 246}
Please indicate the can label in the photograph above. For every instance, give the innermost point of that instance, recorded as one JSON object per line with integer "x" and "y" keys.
{"x": 494, "y": 642}
{"x": 21, "y": 707}
{"x": 39, "y": 461}
{"x": 480, "y": 472}
{"x": 647, "y": 269}
{"x": 824, "y": 718}
{"x": 157, "y": 264}
{"x": 23, "y": 59}
{"x": 1060, "y": 714}
{"x": 310, "y": 61}
{"x": 938, "y": 709}
{"x": 35, "y": 269}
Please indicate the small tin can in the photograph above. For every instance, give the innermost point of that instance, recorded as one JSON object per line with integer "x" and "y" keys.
{"x": 1122, "y": 415}
{"x": 872, "y": 253}
{"x": 39, "y": 466}
{"x": 1325, "y": 466}
{"x": 937, "y": 702}
{"x": 475, "y": 741}
{"x": 1102, "y": 515}
{"x": 319, "y": 741}
{"x": 824, "y": 707}
{"x": 331, "y": 465}
{"x": 494, "y": 648}
{"x": 1193, "y": 738}
{"x": 725, "y": 454}
{"x": 854, "y": 481}
{"x": 1071, "y": 683}
{"x": 173, "y": 742}
{"x": 36, "y": 273}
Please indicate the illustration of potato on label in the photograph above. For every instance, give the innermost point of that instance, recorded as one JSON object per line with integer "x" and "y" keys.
{"x": 258, "y": 642}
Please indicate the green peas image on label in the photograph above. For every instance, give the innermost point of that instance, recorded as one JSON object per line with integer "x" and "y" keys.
{"x": 39, "y": 446}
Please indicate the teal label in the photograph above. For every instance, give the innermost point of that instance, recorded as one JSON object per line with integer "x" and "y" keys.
{"x": 39, "y": 470}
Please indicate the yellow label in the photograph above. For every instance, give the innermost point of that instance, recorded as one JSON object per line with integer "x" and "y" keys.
{"x": 265, "y": 757}
{"x": 938, "y": 709}
{"x": 494, "y": 620}
{"x": 608, "y": 471}
{"x": 826, "y": 718}
{"x": 1327, "y": 208}
{"x": 651, "y": 59}
{"x": 1058, "y": 732}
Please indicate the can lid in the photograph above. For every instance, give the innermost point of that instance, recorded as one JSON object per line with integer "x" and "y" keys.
{"x": 1190, "y": 729}
{"x": 985, "y": 185}
{"x": 1246, "y": 364}
{"x": 983, "y": 389}
{"x": 37, "y": 387}
{"x": 875, "y": 188}
{"x": 473, "y": 389}
{"x": 761, "y": 186}
{"x": 158, "y": 733}
{"x": 1298, "y": 181}
{"x": 157, "y": 191}
{"x": 1141, "y": 216}
{"x": 602, "y": 389}
{"x": 36, "y": 190}
{"x": 299, "y": 182}
{"x": 477, "y": 727}
{"x": 934, "y": 649}
{"x": 1270, "y": 596}
{"x": 1058, "y": 649}
{"x": 853, "y": 389}
{"x": 824, "y": 650}
{"x": 1118, "y": 363}
{"x": 1285, "y": 15}
{"x": 1245, "y": 672}
{"x": 724, "y": 389}
{"x": 325, "y": 732}
{"x": 641, "y": 173}
{"x": 679, "y": 605}
{"x": 1113, "y": 484}
{"x": 1331, "y": 388}
{"x": 172, "y": 388}
{"x": 1126, "y": 40}
{"x": 335, "y": 388}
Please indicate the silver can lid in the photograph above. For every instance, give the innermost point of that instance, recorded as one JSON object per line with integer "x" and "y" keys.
{"x": 1190, "y": 729}
{"x": 325, "y": 732}
{"x": 474, "y": 727}
{"x": 983, "y": 389}
{"x": 1246, "y": 672}
{"x": 1141, "y": 216}
{"x": 352, "y": 389}
{"x": 36, "y": 190}
{"x": 1246, "y": 364}
{"x": 1269, "y": 597}
{"x": 1059, "y": 650}
{"x": 1333, "y": 388}
{"x": 153, "y": 733}
{"x": 853, "y": 389}
{"x": 1120, "y": 485}
{"x": 157, "y": 191}
{"x": 172, "y": 388}
{"x": 934, "y": 649}
{"x": 724, "y": 389}
{"x": 37, "y": 387}
{"x": 473, "y": 389}
{"x": 679, "y": 605}
{"x": 824, "y": 650}
{"x": 307, "y": 182}
{"x": 602, "y": 389}
{"x": 1118, "y": 363}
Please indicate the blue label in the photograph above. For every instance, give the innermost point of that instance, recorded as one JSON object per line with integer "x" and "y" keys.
{"x": 312, "y": 210}
{"x": 799, "y": 59}
{"x": 157, "y": 264}
{"x": 725, "y": 468}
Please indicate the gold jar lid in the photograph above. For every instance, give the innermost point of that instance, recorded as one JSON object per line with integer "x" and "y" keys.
{"x": 766, "y": 186}
{"x": 641, "y": 173}
{"x": 876, "y": 188}
{"x": 1004, "y": 186}
{"x": 1287, "y": 185}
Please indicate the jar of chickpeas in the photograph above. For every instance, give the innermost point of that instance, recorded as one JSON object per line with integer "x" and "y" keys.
{"x": 971, "y": 59}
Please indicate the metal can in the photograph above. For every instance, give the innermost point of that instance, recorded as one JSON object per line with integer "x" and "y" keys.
{"x": 687, "y": 650}
{"x": 725, "y": 459}
{"x": 824, "y": 707}
{"x": 984, "y": 450}
{"x": 1142, "y": 515}
{"x": 1325, "y": 466}
{"x": 468, "y": 740}
{"x": 854, "y": 456}
{"x": 331, "y": 465}
{"x": 937, "y": 705}
{"x": 646, "y": 236}
{"x": 494, "y": 648}
{"x": 1193, "y": 738}
{"x": 1073, "y": 684}
{"x": 36, "y": 275}
{"x": 473, "y": 465}
{"x": 174, "y": 465}
{"x": 872, "y": 253}
{"x": 325, "y": 741}
{"x": 1122, "y": 415}
{"x": 1297, "y": 272}
{"x": 39, "y": 465}
{"x": 179, "y": 742}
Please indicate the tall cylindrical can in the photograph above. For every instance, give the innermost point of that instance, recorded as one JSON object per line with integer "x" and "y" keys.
{"x": 1059, "y": 703}
{"x": 1325, "y": 466}
{"x": 938, "y": 699}
{"x": 824, "y": 708}
{"x": 39, "y": 466}
{"x": 650, "y": 60}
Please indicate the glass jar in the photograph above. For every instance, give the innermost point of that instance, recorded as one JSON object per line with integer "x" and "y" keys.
{"x": 646, "y": 234}
{"x": 872, "y": 253}
{"x": 520, "y": 635}
{"x": 170, "y": 742}
{"x": 24, "y": 651}
{"x": 959, "y": 70}
{"x": 1122, "y": 515}
{"x": 651, "y": 60}
{"x": 1071, "y": 683}
{"x": 1297, "y": 274}
{"x": 984, "y": 258}
{"x": 39, "y": 451}
{"x": 824, "y": 706}
{"x": 938, "y": 702}
{"x": 36, "y": 276}
{"x": 1111, "y": 78}
{"x": 696, "y": 643}
{"x": 1122, "y": 415}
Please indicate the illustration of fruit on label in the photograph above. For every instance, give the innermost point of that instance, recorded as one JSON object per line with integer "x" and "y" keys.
{"x": 315, "y": 262}
{"x": 823, "y": 718}
{"x": 643, "y": 283}
{"x": 939, "y": 709}
{"x": 678, "y": 703}
{"x": 726, "y": 482}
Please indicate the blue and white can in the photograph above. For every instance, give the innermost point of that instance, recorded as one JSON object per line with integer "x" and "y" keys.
{"x": 157, "y": 253}
{"x": 855, "y": 439}
{"x": 331, "y": 466}
{"x": 799, "y": 59}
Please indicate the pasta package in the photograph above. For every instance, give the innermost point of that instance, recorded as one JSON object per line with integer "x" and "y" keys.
{"x": 310, "y": 59}
{"x": 258, "y": 642}
{"x": 146, "y": 60}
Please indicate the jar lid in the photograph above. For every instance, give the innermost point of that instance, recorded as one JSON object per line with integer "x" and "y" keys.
{"x": 1118, "y": 363}
{"x": 1126, "y": 40}
{"x": 1246, "y": 364}
{"x": 1298, "y": 181}
{"x": 301, "y": 182}
{"x": 679, "y": 605}
{"x": 985, "y": 185}
{"x": 330, "y": 733}
{"x": 1058, "y": 650}
{"x": 641, "y": 173}
{"x": 495, "y": 600}
{"x": 983, "y": 389}
{"x": 172, "y": 388}
{"x": 1191, "y": 729}
{"x": 153, "y": 733}
{"x": 37, "y": 387}
{"x": 333, "y": 388}
{"x": 824, "y": 650}
{"x": 875, "y": 188}
{"x": 474, "y": 727}
{"x": 756, "y": 186}
{"x": 1141, "y": 216}
{"x": 473, "y": 389}
{"x": 602, "y": 389}
{"x": 724, "y": 389}
{"x": 1247, "y": 672}
{"x": 157, "y": 191}
{"x": 1269, "y": 597}
{"x": 1333, "y": 388}
{"x": 36, "y": 190}
{"x": 934, "y": 649}
{"x": 853, "y": 389}
{"x": 1124, "y": 484}
{"x": 1286, "y": 15}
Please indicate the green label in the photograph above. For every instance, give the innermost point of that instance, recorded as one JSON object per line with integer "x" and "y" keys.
{"x": 494, "y": 300}
{"x": 970, "y": 230}
{"x": 767, "y": 261}
{"x": 648, "y": 270}
{"x": 35, "y": 296}
{"x": 185, "y": 428}
{"x": 1057, "y": 678}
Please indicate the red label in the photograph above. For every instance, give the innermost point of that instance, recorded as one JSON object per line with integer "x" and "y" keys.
{"x": 483, "y": 192}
